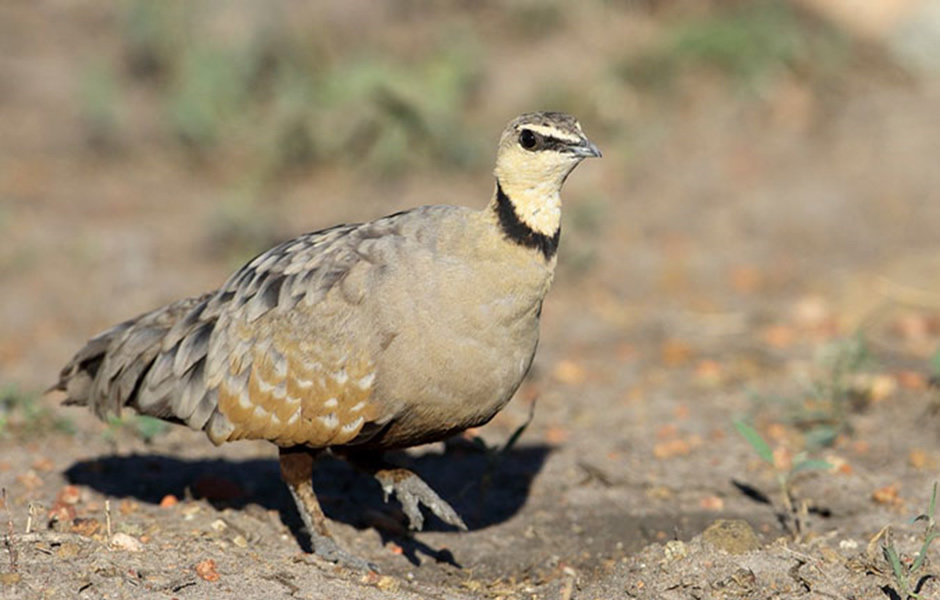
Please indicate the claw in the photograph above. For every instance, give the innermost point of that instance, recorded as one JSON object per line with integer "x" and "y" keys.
{"x": 411, "y": 491}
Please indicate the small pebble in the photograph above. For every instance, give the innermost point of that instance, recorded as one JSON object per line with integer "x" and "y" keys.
{"x": 206, "y": 570}
{"x": 734, "y": 536}
{"x": 675, "y": 550}
{"x": 123, "y": 541}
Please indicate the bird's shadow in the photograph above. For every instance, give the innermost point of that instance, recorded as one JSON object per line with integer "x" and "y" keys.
{"x": 484, "y": 488}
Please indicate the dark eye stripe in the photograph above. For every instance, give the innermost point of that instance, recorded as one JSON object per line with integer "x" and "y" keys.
{"x": 553, "y": 143}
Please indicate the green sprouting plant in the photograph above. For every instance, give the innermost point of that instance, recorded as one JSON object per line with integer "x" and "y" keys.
{"x": 149, "y": 427}
{"x": 142, "y": 426}
{"x": 833, "y": 392}
{"x": 907, "y": 578}
{"x": 822, "y": 412}
{"x": 16, "y": 407}
{"x": 794, "y": 514}
{"x": 495, "y": 454}
{"x": 934, "y": 384}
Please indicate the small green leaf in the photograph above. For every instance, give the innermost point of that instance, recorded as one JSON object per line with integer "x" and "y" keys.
{"x": 923, "y": 551}
{"x": 933, "y": 504}
{"x": 755, "y": 440}
{"x": 935, "y": 363}
{"x": 891, "y": 555}
{"x": 822, "y": 436}
{"x": 811, "y": 465}
{"x": 149, "y": 427}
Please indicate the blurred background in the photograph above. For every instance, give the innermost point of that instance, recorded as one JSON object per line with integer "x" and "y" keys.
{"x": 759, "y": 242}
{"x": 769, "y": 178}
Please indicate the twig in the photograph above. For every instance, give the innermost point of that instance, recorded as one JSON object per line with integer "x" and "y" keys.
{"x": 568, "y": 588}
{"x": 30, "y": 510}
{"x": 808, "y": 560}
{"x": 107, "y": 517}
{"x": 870, "y": 550}
{"x": 8, "y": 538}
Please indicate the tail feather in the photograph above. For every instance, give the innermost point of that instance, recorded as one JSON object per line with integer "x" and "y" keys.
{"x": 153, "y": 363}
{"x": 77, "y": 378}
{"x": 124, "y": 361}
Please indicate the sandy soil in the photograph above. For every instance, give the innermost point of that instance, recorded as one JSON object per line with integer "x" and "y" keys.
{"x": 727, "y": 246}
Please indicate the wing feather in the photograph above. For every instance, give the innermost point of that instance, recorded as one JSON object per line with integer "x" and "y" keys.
{"x": 179, "y": 362}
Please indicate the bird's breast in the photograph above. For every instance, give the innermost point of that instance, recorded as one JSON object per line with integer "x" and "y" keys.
{"x": 462, "y": 347}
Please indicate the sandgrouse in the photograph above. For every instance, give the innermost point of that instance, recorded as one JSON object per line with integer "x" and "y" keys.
{"x": 358, "y": 338}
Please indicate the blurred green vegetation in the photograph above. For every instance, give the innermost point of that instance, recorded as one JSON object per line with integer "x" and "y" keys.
{"x": 264, "y": 91}
{"x": 793, "y": 512}
{"x": 99, "y": 99}
{"x": 836, "y": 394}
{"x": 275, "y": 97}
{"x": 750, "y": 43}
{"x": 585, "y": 221}
{"x": 143, "y": 427}
{"x": 22, "y": 414}
{"x": 239, "y": 227}
{"x": 838, "y": 388}
{"x": 533, "y": 19}
{"x": 270, "y": 89}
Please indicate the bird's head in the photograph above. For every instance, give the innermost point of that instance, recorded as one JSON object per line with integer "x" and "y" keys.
{"x": 536, "y": 153}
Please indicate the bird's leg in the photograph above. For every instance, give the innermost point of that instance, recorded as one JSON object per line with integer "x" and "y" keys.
{"x": 410, "y": 490}
{"x": 297, "y": 473}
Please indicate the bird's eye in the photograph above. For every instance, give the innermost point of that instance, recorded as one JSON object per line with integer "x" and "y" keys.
{"x": 528, "y": 139}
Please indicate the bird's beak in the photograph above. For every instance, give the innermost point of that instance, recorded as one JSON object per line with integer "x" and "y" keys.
{"x": 586, "y": 149}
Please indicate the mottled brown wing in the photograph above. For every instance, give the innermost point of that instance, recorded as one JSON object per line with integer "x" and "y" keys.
{"x": 286, "y": 361}
{"x": 245, "y": 361}
{"x": 294, "y": 391}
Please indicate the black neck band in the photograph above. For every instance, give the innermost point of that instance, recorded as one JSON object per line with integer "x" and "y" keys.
{"x": 519, "y": 232}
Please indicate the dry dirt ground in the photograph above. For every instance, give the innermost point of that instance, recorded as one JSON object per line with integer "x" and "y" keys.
{"x": 730, "y": 258}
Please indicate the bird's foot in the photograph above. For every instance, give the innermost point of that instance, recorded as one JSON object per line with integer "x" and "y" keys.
{"x": 296, "y": 470}
{"x": 411, "y": 491}
{"x": 326, "y": 548}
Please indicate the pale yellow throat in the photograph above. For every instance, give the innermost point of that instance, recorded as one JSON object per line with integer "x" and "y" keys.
{"x": 539, "y": 207}
{"x": 533, "y": 185}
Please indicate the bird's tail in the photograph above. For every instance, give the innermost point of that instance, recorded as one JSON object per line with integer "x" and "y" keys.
{"x": 154, "y": 363}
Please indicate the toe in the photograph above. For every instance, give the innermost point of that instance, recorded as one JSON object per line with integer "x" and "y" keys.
{"x": 327, "y": 549}
{"x": 412, "y": 492}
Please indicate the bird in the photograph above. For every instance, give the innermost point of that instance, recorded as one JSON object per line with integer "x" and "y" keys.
{"x": 359, "y": 338}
